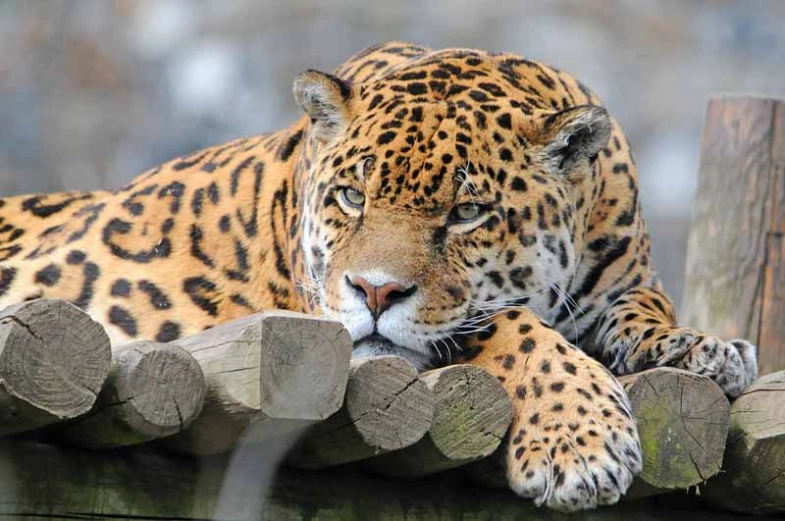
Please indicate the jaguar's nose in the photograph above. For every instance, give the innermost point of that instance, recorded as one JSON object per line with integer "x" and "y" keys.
{"x": 381, "y": 298}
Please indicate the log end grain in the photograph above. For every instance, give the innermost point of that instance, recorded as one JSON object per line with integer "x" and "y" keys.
{"x": 682, "y": 422}
{"x": 304, "y": 371}
{"x": 387, "y": 407}
{"x": 54, "y": 360}
{"x": 472, "y": 411}
{"x": 154, "y": 390}
{"x": 161, "y": 385}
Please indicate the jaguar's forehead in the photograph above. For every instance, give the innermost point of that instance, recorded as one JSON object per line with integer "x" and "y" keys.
{"x": 434, "y": 126}
{"x": 420, "y": 155}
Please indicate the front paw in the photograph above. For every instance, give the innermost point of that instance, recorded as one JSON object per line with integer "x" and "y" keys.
{"x": 573, "y": 444}
{"x": 732, "y": 364}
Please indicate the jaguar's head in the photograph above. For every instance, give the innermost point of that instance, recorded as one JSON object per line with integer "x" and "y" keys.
{"x": 435, "y": 199}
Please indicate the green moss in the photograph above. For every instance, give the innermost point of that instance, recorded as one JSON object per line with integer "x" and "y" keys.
{"x": 662, "y": 456}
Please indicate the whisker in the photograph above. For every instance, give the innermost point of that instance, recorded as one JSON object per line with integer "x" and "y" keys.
{"x": 458, "y": 348}
{"x": 566, "y": 304}
{"x": 438, "y": 352}
{"x": 446, "y": 350}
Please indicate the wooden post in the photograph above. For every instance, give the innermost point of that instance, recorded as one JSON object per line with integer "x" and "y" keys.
{"x": 753, "y": 480}
{"x": 472, "y": 412}
{"x": 735, "y": 280}
{"x": 387, "y": 408}
{"x": 53, "y": 361}
{"x": 682, "y": 422}
{"x": 278, "y": 371}
{"x": 153, "y": 390}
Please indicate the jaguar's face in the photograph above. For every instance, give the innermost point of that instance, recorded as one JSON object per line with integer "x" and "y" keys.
{"x": 422, "y": 217}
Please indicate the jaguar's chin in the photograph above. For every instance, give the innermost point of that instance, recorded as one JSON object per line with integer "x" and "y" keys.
{"x": 378, "y": 345}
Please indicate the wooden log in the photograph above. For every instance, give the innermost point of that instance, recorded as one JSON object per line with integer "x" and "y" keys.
{"x": 753, "y": 480}
{"x": 53, "y": 361}
{"x": 682, "y": 422}
{"x": 386, "y": 408}
{"x": 46, "y": 482}
{"x": 153, "y": 390}
{"x": 472, "y": 412}
{"x": 735, "y": 280}
{"x": 276, "y": 371}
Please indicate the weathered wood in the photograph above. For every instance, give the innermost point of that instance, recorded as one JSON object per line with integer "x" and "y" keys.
{"x": 278, "y": 371}
{"x": 735, "y": 280}
{"x": 682, "y": 422}
{"x": 153, "y": 390}
{"x": 49, "y": 482}
{"x": 53, "y": 361}
{"x": 753, "y": 480}
{"x": 472, "y": 412}
{"x": 387, "y": 407}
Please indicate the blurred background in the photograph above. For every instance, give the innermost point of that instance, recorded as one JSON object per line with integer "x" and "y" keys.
{"x": 93, "y": 92}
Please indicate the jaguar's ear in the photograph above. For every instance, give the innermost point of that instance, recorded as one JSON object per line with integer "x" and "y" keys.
{"x": 325, "y": 98}
{"x": 572, "y": 138}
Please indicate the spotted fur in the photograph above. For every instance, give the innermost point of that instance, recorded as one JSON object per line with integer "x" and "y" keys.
{"x": 438, "y": 203}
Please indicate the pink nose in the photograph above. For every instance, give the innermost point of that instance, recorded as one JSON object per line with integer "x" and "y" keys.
{"x": 380, "y": 298}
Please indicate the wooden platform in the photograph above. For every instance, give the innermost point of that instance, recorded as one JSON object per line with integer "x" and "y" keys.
{"x": 278, "y": 390}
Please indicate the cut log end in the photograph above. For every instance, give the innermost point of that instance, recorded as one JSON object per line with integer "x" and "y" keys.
{"x": 154, "y": 390}
{"x": 387, "y": 408}
{"x": 162, "y": 385}
{"x": 303, "y": 373}
{"x": 682, "y": 422}
{"x": 471, "y": 414}
{"x": 53, "y": 361}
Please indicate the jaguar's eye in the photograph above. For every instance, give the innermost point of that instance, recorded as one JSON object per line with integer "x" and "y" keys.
{"x": 466, "y": 212}
{"x": 352, "y": 198}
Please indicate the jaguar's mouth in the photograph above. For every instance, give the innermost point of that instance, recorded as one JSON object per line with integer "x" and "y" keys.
{"x": 378, "y": 345}
{"x": 375, "y": 338}
{"x": 438, "y": 353}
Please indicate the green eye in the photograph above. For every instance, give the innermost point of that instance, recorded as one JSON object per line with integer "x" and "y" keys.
{"x": 352, "y": 198}
{"x": 466, "y": 212}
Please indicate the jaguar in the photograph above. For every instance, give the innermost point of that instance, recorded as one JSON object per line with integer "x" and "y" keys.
{"x": 446, "y": 206}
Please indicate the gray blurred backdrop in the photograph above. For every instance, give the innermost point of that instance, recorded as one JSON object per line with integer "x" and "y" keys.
{"x": 93, "y": 92}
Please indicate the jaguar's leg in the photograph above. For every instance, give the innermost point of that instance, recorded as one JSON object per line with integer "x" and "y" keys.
{"x": 573, "y": 443}
{"x": 639, "y": 331}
